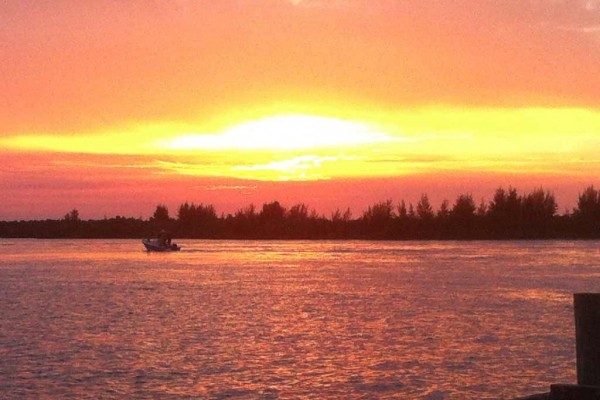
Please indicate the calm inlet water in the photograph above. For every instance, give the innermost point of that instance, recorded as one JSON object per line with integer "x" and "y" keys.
{"x": 289, "y": 320}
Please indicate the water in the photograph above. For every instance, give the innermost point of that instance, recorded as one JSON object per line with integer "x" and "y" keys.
{"x": 289, "y": 320}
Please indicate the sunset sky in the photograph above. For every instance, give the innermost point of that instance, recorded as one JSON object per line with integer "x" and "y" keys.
{"x": 112, "y": 107}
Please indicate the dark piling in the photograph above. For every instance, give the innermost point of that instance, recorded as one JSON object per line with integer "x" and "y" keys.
{"x": 587, "y": 335}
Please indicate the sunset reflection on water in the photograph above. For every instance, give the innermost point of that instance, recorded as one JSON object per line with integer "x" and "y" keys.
{"x": 289, "y": 320}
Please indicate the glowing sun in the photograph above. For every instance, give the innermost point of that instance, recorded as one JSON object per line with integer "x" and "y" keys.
{"x": 285, "y": 133}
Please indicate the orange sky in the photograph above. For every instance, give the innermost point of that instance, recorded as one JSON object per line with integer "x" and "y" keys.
{"x": 112, "y": 107}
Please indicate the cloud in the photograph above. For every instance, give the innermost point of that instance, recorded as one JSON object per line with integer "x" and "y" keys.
{"x": 300, "y": 168}
{"x": 592, "y": 5}
{"x": 592, "y": 30}
{"x": 307, "y": 167}
{"x": 216, "y": 188}
{"x": 576, "y": 16}
{"x": 326, "y": 3}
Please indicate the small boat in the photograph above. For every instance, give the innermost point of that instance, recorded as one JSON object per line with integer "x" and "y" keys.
{"x": 160, "y": 245}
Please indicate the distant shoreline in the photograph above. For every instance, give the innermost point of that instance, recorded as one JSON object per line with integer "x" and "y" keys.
{"x": 310, "y": 228}
{"x": 509, "y": 216}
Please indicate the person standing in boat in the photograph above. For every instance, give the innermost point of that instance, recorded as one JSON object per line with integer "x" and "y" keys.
{"x": 164, "y": 238}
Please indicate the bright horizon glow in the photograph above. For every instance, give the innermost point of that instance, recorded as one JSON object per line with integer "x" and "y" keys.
{"x": 432, "y": 130}
{"x": 285, "y": 133}
{"x": 300, "y": 147}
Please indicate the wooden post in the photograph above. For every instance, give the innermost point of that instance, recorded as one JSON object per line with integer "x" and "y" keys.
{"x": 587, "y": 334}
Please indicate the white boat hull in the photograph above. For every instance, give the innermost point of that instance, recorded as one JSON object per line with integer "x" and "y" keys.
{"x": 157, "y": 245}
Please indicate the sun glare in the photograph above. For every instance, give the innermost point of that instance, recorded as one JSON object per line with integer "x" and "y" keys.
{"x": 284, "y": 133}
{"x": 315, "y": 147}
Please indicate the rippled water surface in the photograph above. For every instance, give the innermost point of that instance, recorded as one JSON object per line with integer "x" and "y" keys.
{"x": 289, "y": 320}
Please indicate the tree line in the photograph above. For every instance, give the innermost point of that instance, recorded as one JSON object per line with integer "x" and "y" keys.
{"x": 509, "y": 215}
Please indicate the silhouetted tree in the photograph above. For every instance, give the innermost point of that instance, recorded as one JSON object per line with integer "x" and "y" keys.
{"x": 247, "y": 213}
{"x": 272, "y": 220}
{"x": 504, "y": 213}
{"x": 272, "y": 211}
{"x": 379, "y": 212}
{"x": 72, "y": 216}
{"x": 298, "y": 212}
{"x": 444, "y": 211}
{"x": 539, "y": 205}
{"x": 504, "y": 203}
{"x": 402, "y": 211}
{"x": 161, "y": 214}
{"x": 463, "y": 209}
{"x": 463, "y": 216}
{"x": 340, "y": 224}
{"x": 588, "y": 203}
{"x": 197, "y": 220}
{"x": 378, "y": 219}
{"x": 298, "y": 221}
{"x": 338, "y": 216}
{"x": 424, "y": 209}
{"x": 244, "y": 223}
{"x": 587, "y": 213}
